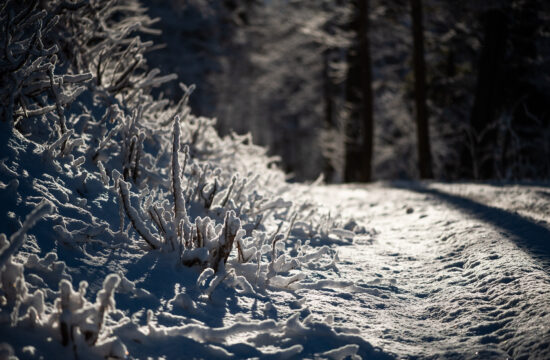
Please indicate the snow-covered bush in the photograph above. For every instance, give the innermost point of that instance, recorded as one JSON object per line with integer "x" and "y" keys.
{"x": 119, "y": 174}
{"x": 31, "y": 88}
{"x": 80, "y": 322}
{"x": 14, "y": 292}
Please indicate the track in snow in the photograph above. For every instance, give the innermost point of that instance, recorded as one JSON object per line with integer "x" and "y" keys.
{"x": 454, "y": 271}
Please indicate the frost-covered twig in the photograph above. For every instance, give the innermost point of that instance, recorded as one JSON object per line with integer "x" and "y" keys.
{"x": 59, "y": 142}
{"x": 135, "y": 219}
{"x": 104, "y": 301}
{"x": 177, "y": 188}
{"x": 16, "y": 240}
{"x": 284, "y": 237}
{"x": 231, "y": 226}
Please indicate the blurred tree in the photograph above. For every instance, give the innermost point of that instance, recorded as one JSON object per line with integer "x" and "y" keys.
{"x": 422, "y": 128}
{"x": 488, "y": 94}
{"x": 292, "y": 91}
{"x": 509, "y": 123}
{"x": 359, "y": 126}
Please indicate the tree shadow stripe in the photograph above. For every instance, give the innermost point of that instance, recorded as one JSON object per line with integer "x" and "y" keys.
{"x": 525, "y": 233}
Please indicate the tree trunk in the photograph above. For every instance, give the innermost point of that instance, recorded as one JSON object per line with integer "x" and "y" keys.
{"x": 422, "y": 127}
{"x": 359, "y": 127}
{"x": 487, "y": 95}
{"x": 328, "y": 94}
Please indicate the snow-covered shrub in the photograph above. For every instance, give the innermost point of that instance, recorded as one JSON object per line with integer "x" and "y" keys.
{"x": 13, "y": 289}
{"x": 117, "y": 137}
{"x": 79, "y": 321}
{"x": 231, "y": 218}
{"x": 76, "y": 320}
{"x": 125, "y": 176}
{"x": 31, "y": 88}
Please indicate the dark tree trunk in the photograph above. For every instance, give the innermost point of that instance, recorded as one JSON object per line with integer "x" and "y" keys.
{"x": 422, "y": 127}
{"x": 359, "y": 127}
{"x": 328, "y": 94}
{"x": 488, "y": 95}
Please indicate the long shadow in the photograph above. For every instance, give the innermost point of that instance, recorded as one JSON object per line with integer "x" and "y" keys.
{"x": 528, "y": 235}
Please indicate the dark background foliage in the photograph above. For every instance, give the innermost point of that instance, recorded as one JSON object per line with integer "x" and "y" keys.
{"x": 285, "y": 71}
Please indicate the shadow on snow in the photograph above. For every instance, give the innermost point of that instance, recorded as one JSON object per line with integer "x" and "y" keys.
{"x": 532, "y": 237}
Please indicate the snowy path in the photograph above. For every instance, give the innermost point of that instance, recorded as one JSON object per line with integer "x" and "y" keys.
{"x": 453, "y": 271}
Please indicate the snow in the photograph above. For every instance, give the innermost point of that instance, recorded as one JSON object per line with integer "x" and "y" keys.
{"x": 427, "y": 270}
{"x": 138, "y": 232}
{"x": 463, "y": 275}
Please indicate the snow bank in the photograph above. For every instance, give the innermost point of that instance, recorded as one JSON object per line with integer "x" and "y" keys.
{"x": 140, "y": 202}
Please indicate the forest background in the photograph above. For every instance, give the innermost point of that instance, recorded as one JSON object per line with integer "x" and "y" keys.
{"x": 330, "y": 87}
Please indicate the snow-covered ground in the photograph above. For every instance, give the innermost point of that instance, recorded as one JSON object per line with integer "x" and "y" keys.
{"x": 453, "y": 271}
{"x": 431, "y": 271}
